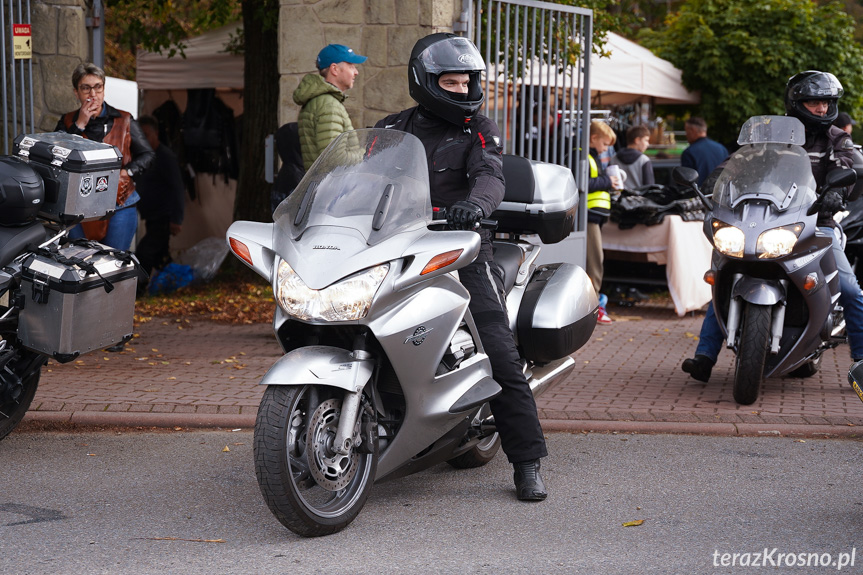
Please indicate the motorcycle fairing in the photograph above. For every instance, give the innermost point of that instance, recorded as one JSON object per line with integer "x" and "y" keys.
{"x": 320, "y": 365}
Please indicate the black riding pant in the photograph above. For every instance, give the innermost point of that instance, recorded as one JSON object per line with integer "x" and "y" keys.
{"x": 515, "y": 409}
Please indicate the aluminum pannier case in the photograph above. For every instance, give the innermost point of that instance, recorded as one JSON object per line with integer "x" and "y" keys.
{"x": 77, "y": 299}
{"x": 81, "y": 176}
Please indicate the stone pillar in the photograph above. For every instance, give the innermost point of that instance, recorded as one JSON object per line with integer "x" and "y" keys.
{"x": 383, "y": 30}
{"x": 61, "y": 41}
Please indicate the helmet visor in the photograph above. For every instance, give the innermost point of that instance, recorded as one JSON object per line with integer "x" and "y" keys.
{"x": 452, "y": 55}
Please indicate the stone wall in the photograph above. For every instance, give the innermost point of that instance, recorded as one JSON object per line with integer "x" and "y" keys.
{"x": 383, "y": 30}
{"x": 61, "y": 41}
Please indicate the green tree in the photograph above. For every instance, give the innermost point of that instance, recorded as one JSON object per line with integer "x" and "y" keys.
{"x": 740, "y": 53}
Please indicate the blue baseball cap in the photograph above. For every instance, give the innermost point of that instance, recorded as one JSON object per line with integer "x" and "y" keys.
{"x": 335, "y": 53}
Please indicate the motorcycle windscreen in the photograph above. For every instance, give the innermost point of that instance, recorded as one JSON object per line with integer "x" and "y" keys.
{"x": 372, "y": 181}
{"x": 772, "y": 130}
{"x": 778, "y": 173}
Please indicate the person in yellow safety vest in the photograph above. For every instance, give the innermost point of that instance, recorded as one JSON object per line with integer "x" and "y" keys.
{"x": 598, "y": 207}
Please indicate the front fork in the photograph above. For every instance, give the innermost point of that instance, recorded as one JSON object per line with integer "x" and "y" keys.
{"x": 350, "y": 414}
{"x": 735, "y": 310}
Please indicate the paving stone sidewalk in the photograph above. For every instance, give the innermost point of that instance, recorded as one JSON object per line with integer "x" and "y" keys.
{"x": 184, "y": 373}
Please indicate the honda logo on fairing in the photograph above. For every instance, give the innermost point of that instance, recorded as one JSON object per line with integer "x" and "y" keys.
{"x": 419, "y": 335}
{"x": 337, "y": 248}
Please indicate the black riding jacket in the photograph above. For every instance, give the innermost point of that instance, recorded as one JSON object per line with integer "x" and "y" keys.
{"x": 463, "y": 165}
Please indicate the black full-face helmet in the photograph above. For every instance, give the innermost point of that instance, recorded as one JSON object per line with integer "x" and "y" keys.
{"x": 439, "y": 54}
{"x": 813, "y": 85}
{"x": 22, "y": 192}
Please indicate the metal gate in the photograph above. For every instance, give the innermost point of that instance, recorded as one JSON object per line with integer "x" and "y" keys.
{"x": 537, "y": 89}
{"x": 16, "y": 73}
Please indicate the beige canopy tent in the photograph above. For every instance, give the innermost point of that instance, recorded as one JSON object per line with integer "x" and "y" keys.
{"x": 206, "y": 65}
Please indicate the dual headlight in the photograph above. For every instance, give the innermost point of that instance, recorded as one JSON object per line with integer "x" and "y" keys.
{"x": 345, "y": 300}
{"x": 773, "y": 243}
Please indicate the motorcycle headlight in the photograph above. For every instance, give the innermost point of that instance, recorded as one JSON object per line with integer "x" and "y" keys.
{"x": 729, "y": 240}
{"x": 347, "y": 299}
{"x": 778, "y": 242}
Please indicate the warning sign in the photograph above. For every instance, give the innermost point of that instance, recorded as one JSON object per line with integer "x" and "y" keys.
{"x": 21, "y": 41}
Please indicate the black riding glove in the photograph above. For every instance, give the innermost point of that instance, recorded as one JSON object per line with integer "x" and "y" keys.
{"x": 831, "y": 202}
{"x": 463, "y": 215}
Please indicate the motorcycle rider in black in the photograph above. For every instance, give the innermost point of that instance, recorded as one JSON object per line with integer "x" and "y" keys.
{"x": 811, "y": 97}
{"x": 464, "y": 150}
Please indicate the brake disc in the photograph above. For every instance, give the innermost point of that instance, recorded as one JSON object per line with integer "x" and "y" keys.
{"x": 331, "y": 470}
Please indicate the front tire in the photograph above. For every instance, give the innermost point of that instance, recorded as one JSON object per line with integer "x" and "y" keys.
{"x": 310, "y": 489}
{"x": 751, "y": 353}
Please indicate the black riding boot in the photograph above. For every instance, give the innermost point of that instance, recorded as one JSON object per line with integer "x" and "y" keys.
{"x": 528, "y": 481}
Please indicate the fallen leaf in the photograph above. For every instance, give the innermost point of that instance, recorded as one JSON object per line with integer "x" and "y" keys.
{"x": 226, "y": 449}
{"x": 178, "y": 429}
{"x": 635, "y": 523}
{"x": 171, "y": 378}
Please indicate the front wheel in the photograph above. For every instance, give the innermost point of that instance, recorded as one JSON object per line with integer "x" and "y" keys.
{"x": 751, "y": 353}
{"x": 311, "y": 489}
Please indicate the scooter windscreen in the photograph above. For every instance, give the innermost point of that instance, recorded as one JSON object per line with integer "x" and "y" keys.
{"x": 778, "y": 173}
{"x": 372, "y": 181}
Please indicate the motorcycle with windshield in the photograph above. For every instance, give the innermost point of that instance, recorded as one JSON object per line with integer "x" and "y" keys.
{"x": 59, "y": 299}
{"x": 383, "y": 372}
{"x": 774, "y": 278}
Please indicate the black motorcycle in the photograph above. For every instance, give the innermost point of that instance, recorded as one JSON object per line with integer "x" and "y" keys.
{"x": 59, "y": 298}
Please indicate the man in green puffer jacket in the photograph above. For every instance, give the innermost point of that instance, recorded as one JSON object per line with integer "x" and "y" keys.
{"x": 323, "y": 116}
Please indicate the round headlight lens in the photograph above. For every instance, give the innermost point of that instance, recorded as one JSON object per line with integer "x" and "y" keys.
{"x": 776, "y": 243}
{"x": 729, "y": 241}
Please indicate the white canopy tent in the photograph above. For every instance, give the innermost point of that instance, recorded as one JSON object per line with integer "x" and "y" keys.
{"x": 631, "y": 74}
{"x": 634, "y": 74}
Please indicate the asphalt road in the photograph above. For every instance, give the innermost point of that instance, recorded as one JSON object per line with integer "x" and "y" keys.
{"x": 177, "y": 502}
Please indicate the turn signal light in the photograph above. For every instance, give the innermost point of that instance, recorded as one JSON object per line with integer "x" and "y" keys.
{"x": 441, "y": 261}
{"x": 811, "y": 282}
{"x": 241, "y": 250}
{"x": 710, "y": 277}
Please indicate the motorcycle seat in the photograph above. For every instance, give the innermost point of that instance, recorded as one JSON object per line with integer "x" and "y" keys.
{"x": 14, "y": 240}
{"x": 509, "y": 257}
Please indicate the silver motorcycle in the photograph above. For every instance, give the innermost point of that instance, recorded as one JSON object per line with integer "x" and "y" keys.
{"x": 384, "y": 373}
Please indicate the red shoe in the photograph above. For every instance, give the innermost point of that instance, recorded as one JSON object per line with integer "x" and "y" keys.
{"x": 603, "y": 317}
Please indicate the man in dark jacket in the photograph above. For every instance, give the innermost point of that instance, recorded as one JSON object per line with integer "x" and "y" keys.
{"x": 162, "y": 202}
{"x": 466, "y": 176}
{"x": 703, "y": 154}
{"x": 812, "y": 98}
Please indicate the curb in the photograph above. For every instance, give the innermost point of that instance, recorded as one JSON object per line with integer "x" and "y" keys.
{"x": 143, "y": 419}
{"x": 720, "y": 429}
{"x": 201, "y": 420}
